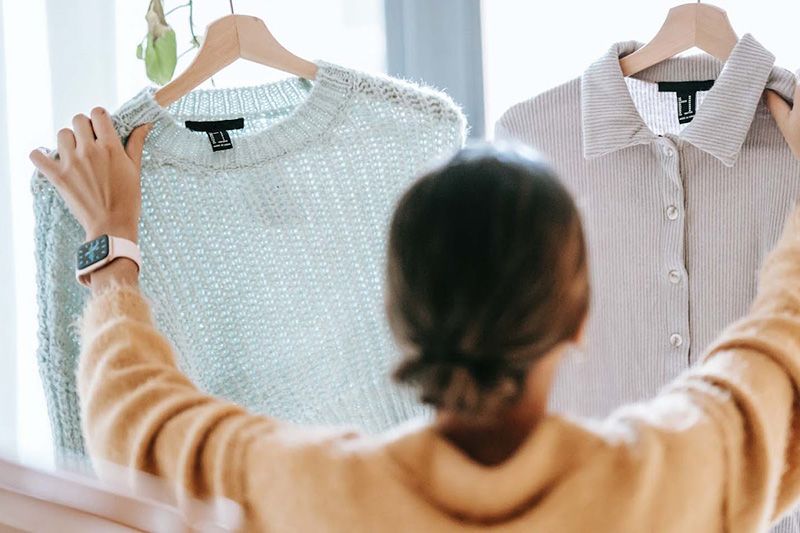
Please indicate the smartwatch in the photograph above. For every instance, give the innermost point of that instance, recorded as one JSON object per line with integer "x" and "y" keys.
{"x": 99, "y": 252}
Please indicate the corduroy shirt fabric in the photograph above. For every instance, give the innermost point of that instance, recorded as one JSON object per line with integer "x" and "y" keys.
{"x": 678, "y": 216}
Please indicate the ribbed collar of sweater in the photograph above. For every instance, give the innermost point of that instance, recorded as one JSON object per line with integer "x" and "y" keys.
{"x": 611, "y": 121}
{"x": 280, "y": 117}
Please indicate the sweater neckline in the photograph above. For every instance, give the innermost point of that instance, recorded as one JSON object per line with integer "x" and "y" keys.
{"x": 455, "y": 482}
{"x": 310, "y": 108}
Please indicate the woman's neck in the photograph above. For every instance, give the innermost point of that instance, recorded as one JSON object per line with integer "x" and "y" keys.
{"x": 491, "y": 443}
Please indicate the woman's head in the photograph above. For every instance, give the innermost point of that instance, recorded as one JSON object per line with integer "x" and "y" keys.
{"x": 487, "y": 273}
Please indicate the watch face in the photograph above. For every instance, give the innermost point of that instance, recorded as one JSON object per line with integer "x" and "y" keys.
{"x": 93, "y": 251}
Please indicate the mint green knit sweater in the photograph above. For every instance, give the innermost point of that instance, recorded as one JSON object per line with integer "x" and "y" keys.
{"x": 265, "y": 261}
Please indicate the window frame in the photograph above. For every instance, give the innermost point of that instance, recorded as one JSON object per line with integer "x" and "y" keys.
{"x": 414, "y": 28}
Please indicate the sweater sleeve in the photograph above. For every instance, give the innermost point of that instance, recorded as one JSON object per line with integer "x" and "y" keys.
{"x": 139, "y": 410}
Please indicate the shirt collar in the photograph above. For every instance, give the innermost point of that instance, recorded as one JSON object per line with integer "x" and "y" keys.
{"x": 611, "y": 121}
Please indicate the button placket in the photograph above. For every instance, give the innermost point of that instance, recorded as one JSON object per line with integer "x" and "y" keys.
{"x": 674, "y": 274}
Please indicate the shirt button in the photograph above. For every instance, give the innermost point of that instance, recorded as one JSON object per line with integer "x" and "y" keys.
{"x": 669, "y": 151}
{"x": 674, "y": 277}
{"x": 672, "y": 212}
{"x": 675, "y": 340}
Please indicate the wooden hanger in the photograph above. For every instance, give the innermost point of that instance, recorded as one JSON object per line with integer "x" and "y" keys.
{"x": 227, "y": 39}
{"x": 702, "y": 25}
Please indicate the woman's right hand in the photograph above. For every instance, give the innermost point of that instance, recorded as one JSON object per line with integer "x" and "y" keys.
{"x": 787, "y": 118}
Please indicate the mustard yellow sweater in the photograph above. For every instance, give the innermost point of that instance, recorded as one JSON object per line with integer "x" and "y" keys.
{"x": 717, "y": 450}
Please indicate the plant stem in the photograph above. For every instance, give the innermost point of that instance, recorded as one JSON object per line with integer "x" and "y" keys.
{"x": 195, "y": 41}
{"x": 177, "y": 8}
{"x": 185, "y": 52}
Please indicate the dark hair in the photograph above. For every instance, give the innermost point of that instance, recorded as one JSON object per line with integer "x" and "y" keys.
{"x": 487, "y": 272}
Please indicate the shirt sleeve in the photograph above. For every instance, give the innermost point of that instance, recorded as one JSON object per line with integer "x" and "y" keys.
{"x": 139, "y": 410}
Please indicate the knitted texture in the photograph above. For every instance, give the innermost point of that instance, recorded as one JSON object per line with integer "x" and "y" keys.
{"x": 265, "y": 260}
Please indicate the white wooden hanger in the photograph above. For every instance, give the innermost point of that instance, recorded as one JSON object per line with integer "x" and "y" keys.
{"x": 702, "y": 25}
{"x": 227, "y": 39}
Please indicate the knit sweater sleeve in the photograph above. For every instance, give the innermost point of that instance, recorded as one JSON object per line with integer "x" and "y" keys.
{"x": 139, "y": 410}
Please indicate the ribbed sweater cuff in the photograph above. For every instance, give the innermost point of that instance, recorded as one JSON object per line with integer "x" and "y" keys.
{"x": 116, "y": 301}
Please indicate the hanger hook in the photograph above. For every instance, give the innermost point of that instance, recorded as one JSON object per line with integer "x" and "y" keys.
{"x": 231, "y": 4}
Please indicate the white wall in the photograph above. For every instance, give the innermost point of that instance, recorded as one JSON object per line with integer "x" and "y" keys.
{"x": 28, "y": 103}
{"x": 81, "y": 45}
{"x": 59, "y": 58}
{"x": 8, "y": 324}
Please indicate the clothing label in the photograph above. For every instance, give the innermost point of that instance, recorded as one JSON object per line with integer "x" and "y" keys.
{"x": 217, "y": 131}
{"x": 220, "y": 140}
{"x": 686, "y": 92}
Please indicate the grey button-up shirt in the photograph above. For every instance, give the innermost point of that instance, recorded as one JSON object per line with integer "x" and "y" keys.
{"x": 678, "y": 216}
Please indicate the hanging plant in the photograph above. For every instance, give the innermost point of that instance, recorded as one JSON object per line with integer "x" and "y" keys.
{"x": 159, "y": 48}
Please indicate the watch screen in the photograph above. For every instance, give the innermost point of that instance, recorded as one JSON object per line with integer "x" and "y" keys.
{"x": 93, "y": 251}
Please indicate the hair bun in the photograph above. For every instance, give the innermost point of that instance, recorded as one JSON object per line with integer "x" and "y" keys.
{"x": 483, "y": 368}
{"x": 469, "y": 384}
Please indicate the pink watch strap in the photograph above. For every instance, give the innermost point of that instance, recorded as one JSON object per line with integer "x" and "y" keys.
{"x": 117, "y": 247}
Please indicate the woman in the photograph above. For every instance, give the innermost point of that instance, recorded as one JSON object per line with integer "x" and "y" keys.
{"x": 487, "y": 287}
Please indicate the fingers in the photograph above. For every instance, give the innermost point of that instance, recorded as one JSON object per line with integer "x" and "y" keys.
{"x": 135, "y": 143}
{"x": 780, "y": 109}
{"x": 103, "y": 127}
{"x": 46, "y": 165}
{"x": 84, "y": 133}
{"x": 65, "y": 142}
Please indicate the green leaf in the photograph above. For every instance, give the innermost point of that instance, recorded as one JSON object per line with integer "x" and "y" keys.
{"x": 139, "y": 51}
{"x": 161, "y": 56}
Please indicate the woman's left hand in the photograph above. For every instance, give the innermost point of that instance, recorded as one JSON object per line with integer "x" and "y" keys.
{"x": 97, "y": 178}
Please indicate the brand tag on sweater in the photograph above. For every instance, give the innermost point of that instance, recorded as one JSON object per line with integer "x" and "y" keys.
{"x": 686, "y": 92}
{"x": 217, "y": 131}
